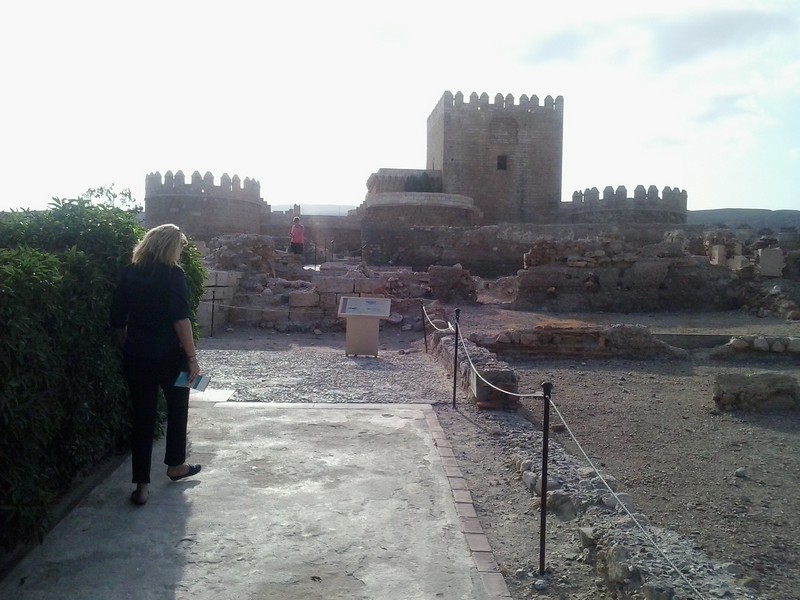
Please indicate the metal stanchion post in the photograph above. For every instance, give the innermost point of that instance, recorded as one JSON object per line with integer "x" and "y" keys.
{"x": 424, "y": 325}
{"x": 213, "y": 305}
{"x": 547, "y": 388}
{"x": 455, "y": 358}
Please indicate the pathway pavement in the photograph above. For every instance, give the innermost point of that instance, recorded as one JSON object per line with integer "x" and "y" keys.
{"x": 295, "y": 501}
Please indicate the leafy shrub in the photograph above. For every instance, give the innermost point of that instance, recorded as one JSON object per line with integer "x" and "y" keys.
{"x": 63, "y": 401}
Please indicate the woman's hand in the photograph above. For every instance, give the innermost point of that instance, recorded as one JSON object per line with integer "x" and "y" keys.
{"x": 194, "y": 369}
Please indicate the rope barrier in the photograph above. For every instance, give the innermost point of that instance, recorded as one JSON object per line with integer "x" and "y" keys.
{"x": 586, "y": 457}
{"x": 447, "y": 329}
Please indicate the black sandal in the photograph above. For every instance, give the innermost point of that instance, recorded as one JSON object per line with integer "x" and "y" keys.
{"x": 193, "y": 470}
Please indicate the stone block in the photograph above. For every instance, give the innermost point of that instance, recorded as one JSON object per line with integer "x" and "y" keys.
{"x": 718, "y": 254}
{"x": 340, "y": 285}
{"x": 273, "y": 315}
{"x": 737, "y": 263}
{"x": 329, "y": 301}
{"x": 370, "y": 286}
{"x": 306, "y": 314}
{"x": 771, "y": 262}
{"x": 300, "y": 299}
{"x": 244, "y": 316}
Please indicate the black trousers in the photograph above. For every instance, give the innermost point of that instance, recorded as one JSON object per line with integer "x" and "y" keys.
{"x": 145, "y": 377}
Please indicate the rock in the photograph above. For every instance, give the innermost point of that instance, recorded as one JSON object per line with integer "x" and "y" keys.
{"x": 587, "y": 537}
{"x": 741, "y": 472}
{"x": 610, "y": 483}
{"x": 751, "y": 582}
{"x": 561, "y": 504}
{"x": 654, "y": 591}
{"x": 540, "y": 585}
{"x": 738, "y": 343}
{"x": 552, "y": 484}
{"x": 761, "y": 343}
{"x": 529, "y": 479}
{"x": 612, "y": 501}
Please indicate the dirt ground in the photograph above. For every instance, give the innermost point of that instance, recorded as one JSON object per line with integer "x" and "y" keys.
{"x": 653, "y": 426}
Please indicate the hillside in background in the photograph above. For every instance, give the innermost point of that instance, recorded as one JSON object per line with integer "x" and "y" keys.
{"x": 756, "y": 218}
{"x": 338, "y": 210}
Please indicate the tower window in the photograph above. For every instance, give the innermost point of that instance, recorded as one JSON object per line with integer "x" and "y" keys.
{"x": 502, "y": 162}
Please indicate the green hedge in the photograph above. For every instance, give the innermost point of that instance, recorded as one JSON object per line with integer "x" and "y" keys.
{"x": 63, "y": 402}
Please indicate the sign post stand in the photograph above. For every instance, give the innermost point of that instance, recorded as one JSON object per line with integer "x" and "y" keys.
{"x": 363, "y": 317}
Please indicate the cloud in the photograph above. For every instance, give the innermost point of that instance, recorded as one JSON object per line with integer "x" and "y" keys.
{"x": 563, "y": 46}
{"x": 725, "y": 107}
{"x": 676, "y": 41}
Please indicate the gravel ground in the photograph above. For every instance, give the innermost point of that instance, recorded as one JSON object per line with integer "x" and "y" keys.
{"x": 650, "y": 425}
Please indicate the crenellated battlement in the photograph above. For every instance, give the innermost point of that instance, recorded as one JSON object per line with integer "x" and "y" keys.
{"x": 645, "y": 205}
{"x": 176, "y": 185}
{"x": 670, "y": 199}
{"x": 481, "y": 102}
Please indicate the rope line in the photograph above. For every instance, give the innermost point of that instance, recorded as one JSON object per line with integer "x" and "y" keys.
{"x": 591, "y": 464}
{"x": 217, "y": 304}
{"x": 448, "y": 329}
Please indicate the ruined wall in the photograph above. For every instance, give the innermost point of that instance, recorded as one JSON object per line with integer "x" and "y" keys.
{"x": 490, "y": 251}
{"x": 202, "y": 209}
{"x": 630, "y": 284}
{"x": 505, "y": 156}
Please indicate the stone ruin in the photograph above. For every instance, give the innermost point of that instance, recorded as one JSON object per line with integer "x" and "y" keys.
{"x": 756, "y": 392}
{"x": 606, "y": 273}
{"x": 253, "y": 284}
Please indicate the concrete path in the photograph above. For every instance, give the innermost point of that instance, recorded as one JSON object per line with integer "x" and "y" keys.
{"x": 302, "y": 501}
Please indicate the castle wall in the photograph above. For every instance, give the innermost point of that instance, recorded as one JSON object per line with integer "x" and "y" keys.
{"x": 202, "y": 209}
{"x": 405, "y": 209}
{"x": 646, "y": 206}
{"x": 397, "y": 180}
{"x": 506, "y": 156}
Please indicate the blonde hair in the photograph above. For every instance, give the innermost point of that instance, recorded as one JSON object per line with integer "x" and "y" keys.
{"x": 160, "y": 245}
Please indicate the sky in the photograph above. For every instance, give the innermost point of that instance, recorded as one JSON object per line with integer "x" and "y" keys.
{"x": 310, "y": 98}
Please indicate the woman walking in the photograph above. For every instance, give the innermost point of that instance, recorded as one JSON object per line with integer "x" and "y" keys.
{"x": 150, "y": 311}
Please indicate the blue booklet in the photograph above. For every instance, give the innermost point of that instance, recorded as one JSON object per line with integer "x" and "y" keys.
{"x": 200, "y": 382}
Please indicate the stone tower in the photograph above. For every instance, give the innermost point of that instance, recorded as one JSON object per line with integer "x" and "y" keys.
{"x": 202, "y": 209}
{"x": 505, "y": 156}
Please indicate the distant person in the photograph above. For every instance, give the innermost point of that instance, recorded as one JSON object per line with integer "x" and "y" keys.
{"x": 296, "y": 237}
{"x": 150, "y": 311}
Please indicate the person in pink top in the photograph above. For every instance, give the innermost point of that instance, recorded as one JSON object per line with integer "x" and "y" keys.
{"x": 296, "y": 237}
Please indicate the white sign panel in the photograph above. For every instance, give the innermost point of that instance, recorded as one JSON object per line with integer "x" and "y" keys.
{"x": 364, "y": 307}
